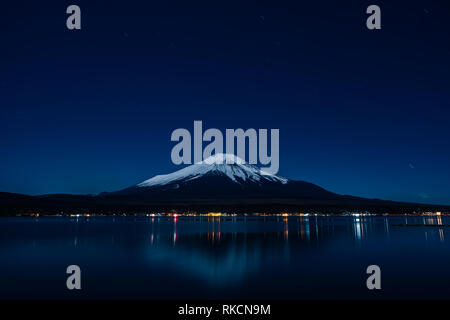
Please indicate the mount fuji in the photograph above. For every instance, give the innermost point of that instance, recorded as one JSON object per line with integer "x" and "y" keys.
{"x": 217, "y": 178}
{"x": 220, "y": 182}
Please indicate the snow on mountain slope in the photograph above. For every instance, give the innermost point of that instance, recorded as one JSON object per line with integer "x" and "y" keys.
{"x": 228, "y": 165}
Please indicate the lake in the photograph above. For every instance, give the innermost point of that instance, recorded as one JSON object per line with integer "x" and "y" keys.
{"x": 314, "y": 257}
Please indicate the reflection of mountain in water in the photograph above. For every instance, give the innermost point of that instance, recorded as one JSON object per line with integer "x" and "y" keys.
{"x": 228, "y": 250}
{"x": 216, "y": 267}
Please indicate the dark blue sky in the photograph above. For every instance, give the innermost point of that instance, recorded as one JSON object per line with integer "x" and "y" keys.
{"x": 360, "y": 112}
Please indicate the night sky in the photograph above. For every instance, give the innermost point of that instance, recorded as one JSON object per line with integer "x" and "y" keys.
{"x": 360, "y": 112}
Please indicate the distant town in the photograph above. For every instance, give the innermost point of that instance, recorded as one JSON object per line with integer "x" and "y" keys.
{"x": 175, "y": 214}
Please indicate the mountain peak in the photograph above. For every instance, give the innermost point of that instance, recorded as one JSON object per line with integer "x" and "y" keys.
{"x": 220, "y": 164}
{"x": 222, "y": 158}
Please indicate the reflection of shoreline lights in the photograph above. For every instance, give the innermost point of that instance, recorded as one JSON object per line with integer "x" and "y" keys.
{"x": 358, "y": 229}
{"x": 175, "y": 219}
{"x": 286, "y": 228}
{"x": 441, "y": 235}
{"x": 213, "y": 234}
{"x": 307, "y": 229}
{"x": 386, "y": 224}
{"x": 441, "y": 231}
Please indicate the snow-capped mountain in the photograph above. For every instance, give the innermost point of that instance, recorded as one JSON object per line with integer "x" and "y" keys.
{"x": 222, "y": 177}
{"x": 225, "y": 165}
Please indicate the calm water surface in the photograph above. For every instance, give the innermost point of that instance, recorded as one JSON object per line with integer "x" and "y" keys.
{"x": 225, "y": 258}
